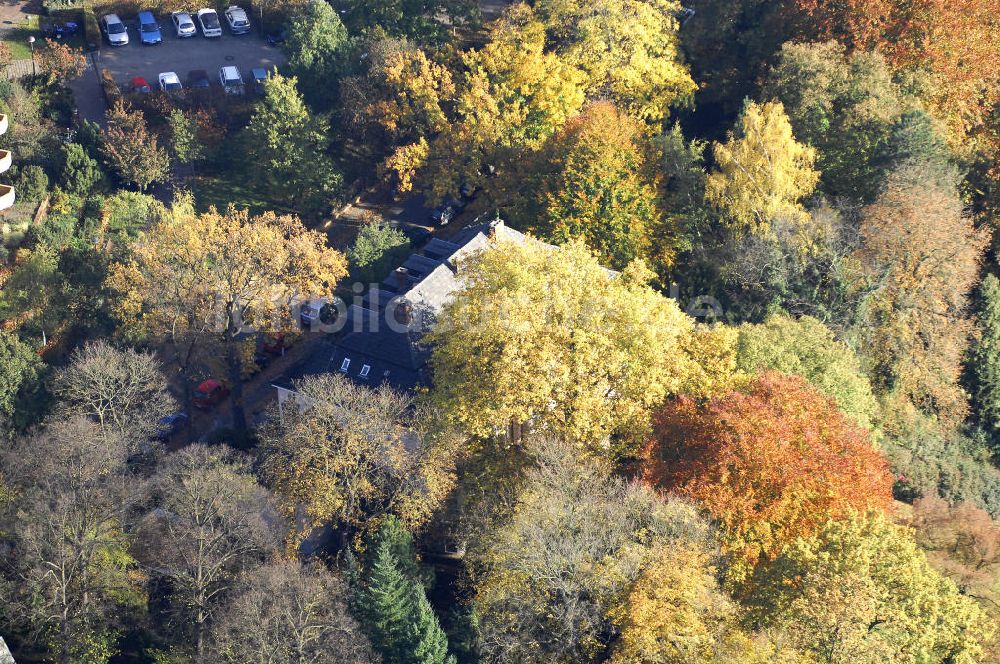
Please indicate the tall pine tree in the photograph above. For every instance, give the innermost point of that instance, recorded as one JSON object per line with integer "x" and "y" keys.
{"x": 395, "y": 610}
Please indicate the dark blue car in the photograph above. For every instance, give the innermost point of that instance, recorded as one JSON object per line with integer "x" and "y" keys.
{"x": 149, "y": 29}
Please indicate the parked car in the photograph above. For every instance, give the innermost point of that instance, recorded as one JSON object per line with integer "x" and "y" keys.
{"x": 140, "y": 85}
{"x": 232, "y": 81}
{"x": 258, "y": 76}
{"x": 114, "y": 30}
{"x": 169, "y": 425}
{"x": 183, "y": 24}
{"x": 198, "y": 78}
{"x": 169, "y": 82}
{"x": 443, "y": 214}
{"x": 209, "y": 393}
{"x": 149, "y": 29}
{"x": 209, "y": 21}
{"x": 239, "y": 23}
{"x": 276, "y": 38}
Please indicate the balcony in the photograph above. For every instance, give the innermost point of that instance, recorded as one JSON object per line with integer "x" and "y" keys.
{"x": 3, "y": 124}
{"x": 5, "y": 159}
{"x": 6, "y": 196}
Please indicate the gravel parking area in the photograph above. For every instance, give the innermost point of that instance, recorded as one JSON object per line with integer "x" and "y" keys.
{"x": 183, "y": 55}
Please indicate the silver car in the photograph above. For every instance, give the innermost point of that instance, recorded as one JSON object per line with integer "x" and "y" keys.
{"x": 114, "y": 30}
{"x": 183, "y": 25}
{"x": 210, "y": 26}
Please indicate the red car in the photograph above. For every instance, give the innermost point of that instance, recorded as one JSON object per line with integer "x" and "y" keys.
{"x": 209, "y": 393}
{"x": 140, "y": 85}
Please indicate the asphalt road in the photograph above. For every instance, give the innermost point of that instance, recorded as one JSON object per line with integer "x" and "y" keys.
{"x": 183, "y": 55}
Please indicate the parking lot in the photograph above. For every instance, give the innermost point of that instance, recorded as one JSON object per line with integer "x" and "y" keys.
{"x": 183, "y": 55}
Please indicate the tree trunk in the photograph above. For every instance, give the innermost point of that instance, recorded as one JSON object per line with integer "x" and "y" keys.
{"x": 236, "y": 382}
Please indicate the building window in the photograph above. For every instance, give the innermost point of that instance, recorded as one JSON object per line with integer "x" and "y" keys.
{"x": 364, "y": 371}
{"x": 346, "y": 363}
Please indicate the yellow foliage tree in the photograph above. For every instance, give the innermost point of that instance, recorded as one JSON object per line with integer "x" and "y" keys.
{"x": 763, "y": 172}
{"x": 514, "y": 96}
{"x": 629, "y": 50}
{"x": 549, "y": 337}
{"x": 861, "y": 592}
{"x": 206, "y": 277}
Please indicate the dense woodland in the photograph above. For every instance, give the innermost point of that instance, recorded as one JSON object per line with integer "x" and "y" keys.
{"x": 769, "y": 433}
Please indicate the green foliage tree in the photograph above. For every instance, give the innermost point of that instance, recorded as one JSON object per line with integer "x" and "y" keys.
{"x": 375, "y": 251}
{"x": 414, "y": 19}
{"x": 282, "y": 137}
{"x": 844, "y": 105}
{"x": 131, "y": 150}
{"x": 860, "y": 591}
{"x": 807, "y": 348}
{"x": 79, "y": 171}
{"x": 400, "y": 621}
{"x": 126, "y": 214}
{"x": 32, "y": 183}
{"x": 185, "y": 148}
{"x": 20, "y": 383}
{"x": 317, "y": 48}
{"x": 762, "y": 171}
{"x": 985, "y": 359}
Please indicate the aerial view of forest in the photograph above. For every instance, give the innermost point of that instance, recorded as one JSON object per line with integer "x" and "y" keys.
{"x": 490, "y": 331}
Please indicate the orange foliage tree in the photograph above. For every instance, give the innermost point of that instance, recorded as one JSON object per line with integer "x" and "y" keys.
{"x": 955, "y": 41}
{"x": 771, "y": 464}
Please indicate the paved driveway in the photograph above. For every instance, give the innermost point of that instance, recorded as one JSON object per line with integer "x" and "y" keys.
{"x": 183, "y": 55}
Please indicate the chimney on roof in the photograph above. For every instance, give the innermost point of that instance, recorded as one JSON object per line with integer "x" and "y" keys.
{"x": 491, "y": 231}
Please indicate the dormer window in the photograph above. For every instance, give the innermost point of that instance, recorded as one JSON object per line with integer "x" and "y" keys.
{"x": 345, "y": 364}
{"x": 364, "y": 371}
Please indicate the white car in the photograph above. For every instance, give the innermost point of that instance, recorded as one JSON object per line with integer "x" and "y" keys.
{"x": 237, "y": 19}
{"x": 114, "y": 30}
{"x": 169, "y": 82}
{"x": 231, "y": 80}
{"x": 209, "y": 20}
{"x": 183, "y": 25}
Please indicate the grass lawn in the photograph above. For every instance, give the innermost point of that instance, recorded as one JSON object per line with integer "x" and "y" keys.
{"x": 17, "y": 37}
{"x": 220, "y": 191}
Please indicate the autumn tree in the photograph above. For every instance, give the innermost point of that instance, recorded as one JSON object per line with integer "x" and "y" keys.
{"x": 807, "y": 348}
{"x": 61, "y": 62}
{"x": 551, "y": 571}
{"x": 962, "y": 542}
{"x": 352, "y": 453}
{"x": 771, "y": 464}
{"x": 209, "y": 521}
{"x": 920, "y": 254}
{"x": 629, "y": 51}
{"x": 548, "y": 336}
{"x": 953, "y": 44}
{"x": 131, "y": 150}
{"x": 762, "y": 171}
{"x": 73, "y": 576}
{"x": 282, "y": 136}
{"x": 860, "y": 591}
{"x": 514, "y": 95}
{"x": 844, "y": 105}
{"x": 124, "y": 391}
{"x": 289, "y": 613}
{"x": 594, "y": 181}
{"x": 202, "y": 279}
